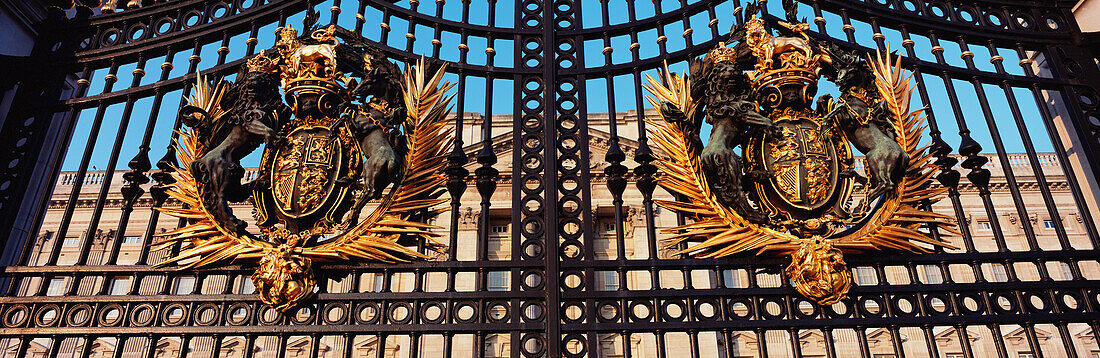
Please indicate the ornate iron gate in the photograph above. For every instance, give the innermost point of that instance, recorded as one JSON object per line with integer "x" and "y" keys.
{"x": 577, "y": 267}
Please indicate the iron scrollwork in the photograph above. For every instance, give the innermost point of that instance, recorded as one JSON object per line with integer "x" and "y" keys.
{"x": 352, "y": 125}
{"x": 790, "y": 190}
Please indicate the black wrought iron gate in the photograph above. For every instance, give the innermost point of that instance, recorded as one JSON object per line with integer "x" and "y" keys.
{"x": 556, "y": 250}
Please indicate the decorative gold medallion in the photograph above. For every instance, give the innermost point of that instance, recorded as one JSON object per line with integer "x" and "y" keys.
{"x": 343, "y": 140}
{"x": 777, "y": 175}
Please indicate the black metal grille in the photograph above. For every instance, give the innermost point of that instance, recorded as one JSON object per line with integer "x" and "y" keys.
{"x": 578, "y": 268}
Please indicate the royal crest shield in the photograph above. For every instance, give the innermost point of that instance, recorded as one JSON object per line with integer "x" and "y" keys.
{"x": 778, "y": 174}
{"x": 805, "y": 161}
{"x": 303, "y": 175}
{"x": 315, "y": 178}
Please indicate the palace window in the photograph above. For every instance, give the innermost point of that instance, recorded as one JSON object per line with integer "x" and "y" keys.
{"x": 131, "y": 239}
{"x": 999, "y": 273}
{"x": 865, "y": 276}
{"x": 500, "y": 247}
{"x": 608, "y": 280}
{"x": 184, "y": 285}
{"x": 497, "y": 345}
{"x": 246, "y": 287}
{"x": 732, "y": 278}
{"x": 609, "y": 347}
{"x": 120, "y": 285}
{"x": 1065, "y": 271}
{"x": 498, "y": 281}
{"x": 1048, "y": 224}
{"x": 932, "y": 274}
{"x": 57, "y": 287}
{"x": 379, "y": 282}
{"x": 985, "y": 226}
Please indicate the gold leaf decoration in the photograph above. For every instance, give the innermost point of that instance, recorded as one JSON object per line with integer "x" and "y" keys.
{"x": 429, "y": 139}
{"x": 896, "y": 225}
{"x": 205, "y": 243}
{"x": 722, "y": 231}
{"x": 718, "y": 231}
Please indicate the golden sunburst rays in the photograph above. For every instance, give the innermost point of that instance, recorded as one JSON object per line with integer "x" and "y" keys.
{"x": 720, "y": 231}
{"x": 375, "y": 239}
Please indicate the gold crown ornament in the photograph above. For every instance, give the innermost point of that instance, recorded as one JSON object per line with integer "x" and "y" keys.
{"x": 310, "y": 68}
{"x": 721, "y": 53}
{"x": 261, "y": 63}
{"x": 797, "y": 64}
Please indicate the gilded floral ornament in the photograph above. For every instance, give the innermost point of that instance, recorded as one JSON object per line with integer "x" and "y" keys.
{"x": 779, "y": 176}
{"x": 341, "y": 140}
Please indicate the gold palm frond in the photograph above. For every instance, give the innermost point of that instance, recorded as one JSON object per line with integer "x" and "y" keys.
{"x": 722, "y": 232}
{"x": 897, "y": 224}
{"x": 375, "y": 238}
{"x": 429, "y": 139}
{"x": 208, "y": 98}
{"x": 203, "y": 238}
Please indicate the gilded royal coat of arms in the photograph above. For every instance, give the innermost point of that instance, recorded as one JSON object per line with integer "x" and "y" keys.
{"x": 348, "y": 128}
{"x": 778, "y": 174}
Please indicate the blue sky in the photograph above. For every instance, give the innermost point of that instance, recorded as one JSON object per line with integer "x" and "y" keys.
{"x": 596, "y": 88}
